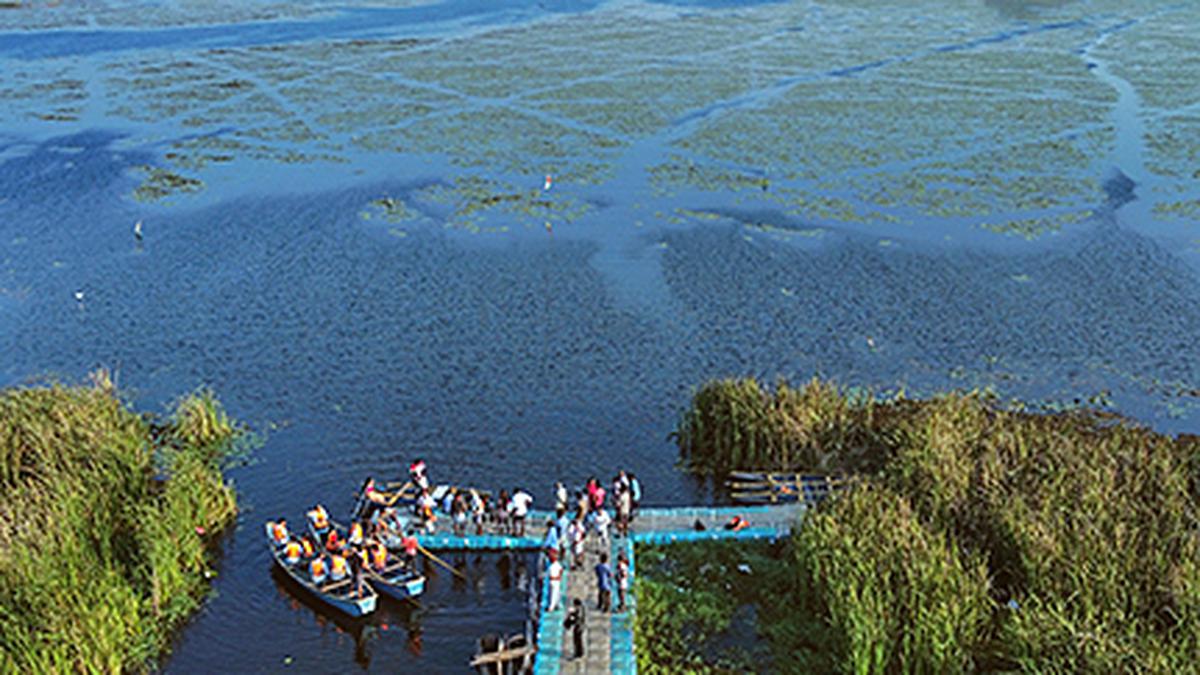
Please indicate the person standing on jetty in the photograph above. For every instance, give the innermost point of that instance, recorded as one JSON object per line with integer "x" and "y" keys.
{"x": 635, "y": 495}
{"x": 501, "y": 512}
{"x": 550, "y": 543}
{"x": 560, "y": 496}
{"x": 563, "y": 524}
{"x": 478, "y": 510}
{"x": 576, "y": 620}
{"x": 416, "y": 472}
{"x": 622, "y": 580}
{"x": 624, "y": 511}
{"x": 519, "y": 505}
{"x": 555, "y": 572}
{"x": 604, "y": 584}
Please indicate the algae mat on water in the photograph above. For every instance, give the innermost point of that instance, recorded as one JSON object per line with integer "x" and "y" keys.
{"x": 107, "y": 522}
{"x": 965, "y": 115}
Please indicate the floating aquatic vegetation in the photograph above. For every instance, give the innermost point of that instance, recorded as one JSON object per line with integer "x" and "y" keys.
{"x": 472, "y": 199}
{"x": 159, "y": 183}
{"x": 391, "y": 209}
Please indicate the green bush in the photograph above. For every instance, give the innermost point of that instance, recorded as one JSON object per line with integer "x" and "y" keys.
{"x": 100, "y": 555}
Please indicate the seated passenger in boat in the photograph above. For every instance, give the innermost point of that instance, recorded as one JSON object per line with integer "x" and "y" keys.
{"x": 379, "y": 556}
{"x": 307, "y": 547}
{"x": 319, "y": 519}
{"x": 337, "y": 567}
{"x": 318, "y": 570}
{"x": 356, "y": 534}
{"x": 279, "y": 532}
{"x": 291, "y": 553}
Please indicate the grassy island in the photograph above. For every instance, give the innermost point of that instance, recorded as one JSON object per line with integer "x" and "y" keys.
{"x": 973, "y": 537}
{"x": 107, "y": 519}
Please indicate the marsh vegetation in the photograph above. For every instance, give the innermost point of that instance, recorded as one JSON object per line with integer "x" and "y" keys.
{"x": 107, "y": 524}
{"x": 974, "y": 536}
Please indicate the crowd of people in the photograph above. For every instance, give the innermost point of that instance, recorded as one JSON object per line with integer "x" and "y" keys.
{"x": 381, "y": 519}
{"x": 331, "y": 557}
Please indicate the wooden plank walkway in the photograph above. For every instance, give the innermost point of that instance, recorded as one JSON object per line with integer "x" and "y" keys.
{"x": 609, "y": 635}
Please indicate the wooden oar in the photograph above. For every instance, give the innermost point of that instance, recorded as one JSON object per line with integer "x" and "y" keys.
{"x": 439, "y": 561}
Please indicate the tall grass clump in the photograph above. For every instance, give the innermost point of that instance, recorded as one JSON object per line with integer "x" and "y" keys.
{"x": 105, "y": 528}
{"x": 736, "y": 424}
{"x": 1070, "y": 540}
{"x": 882, "y": 592}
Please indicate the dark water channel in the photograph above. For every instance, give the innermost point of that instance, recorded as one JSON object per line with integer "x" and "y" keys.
{"x": 527, "y": 356}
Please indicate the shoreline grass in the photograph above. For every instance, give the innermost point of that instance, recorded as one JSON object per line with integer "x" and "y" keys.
{"x": 106, "y": 524}
{"x": 975, "y": 537}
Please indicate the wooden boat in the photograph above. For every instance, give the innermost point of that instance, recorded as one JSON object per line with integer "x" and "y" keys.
{"x": 339, "y": 595}
{"x": 396, "y": 580}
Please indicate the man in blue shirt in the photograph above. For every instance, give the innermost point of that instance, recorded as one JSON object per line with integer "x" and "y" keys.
{"x": 550, "y": 543}
{"x": 604, "y": 584}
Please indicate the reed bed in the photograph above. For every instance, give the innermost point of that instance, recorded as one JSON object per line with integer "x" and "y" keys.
{"x": 106, "y": 525}
{"x": 975, "y": 537}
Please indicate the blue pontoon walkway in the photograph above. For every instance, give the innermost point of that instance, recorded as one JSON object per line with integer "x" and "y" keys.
{"x": 609, "y": 645}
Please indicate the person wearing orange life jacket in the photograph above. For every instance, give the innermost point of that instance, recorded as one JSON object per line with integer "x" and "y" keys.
{"x": 337, "y": 567}
{"x": 306, "y": 544}
{"x": 291, "y": 552}
{"x": 319, "y": 519}
{"x": 319, "y": 570}
{"x": 379, "y": 556}
{"x": 409, "y": 542}
{"x": 279, "y": 532}
{"x": 356, "y": 534}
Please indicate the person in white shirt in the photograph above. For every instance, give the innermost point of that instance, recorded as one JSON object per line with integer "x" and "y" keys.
{"x": 555, "y": 572}
{"x": 518, "y": 506}
{"x": 560, "y": 496}
{"x": 603, "y": 520}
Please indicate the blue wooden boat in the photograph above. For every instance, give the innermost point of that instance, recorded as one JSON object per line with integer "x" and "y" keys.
{"x": 339, "y": 595}
{"x": 396, "y": 580}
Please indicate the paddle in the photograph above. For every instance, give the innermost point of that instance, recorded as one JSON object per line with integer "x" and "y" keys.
{"x": 439, "y": 561}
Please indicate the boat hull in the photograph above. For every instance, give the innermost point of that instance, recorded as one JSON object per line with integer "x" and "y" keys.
{"x": 343, "y": 602}
{"x": 403, "y": 588}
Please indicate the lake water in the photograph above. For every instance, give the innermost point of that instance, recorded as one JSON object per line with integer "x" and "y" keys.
{"x": 347, "y": 236}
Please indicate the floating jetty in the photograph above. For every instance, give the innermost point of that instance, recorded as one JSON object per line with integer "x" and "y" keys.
{"x": 609, "y": 646}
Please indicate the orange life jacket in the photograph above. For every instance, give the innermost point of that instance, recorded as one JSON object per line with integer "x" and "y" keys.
{"x": 320, "y": 519}
{"x": 308, "y": 548}
{"x": 380, "y": 555}
{"x": 317, "y": 569}
{"x": 279, "y": 533}
{"x": 339, "y": 566}
{"x": 292, "y": 553}
{"x": 356, "y": 533}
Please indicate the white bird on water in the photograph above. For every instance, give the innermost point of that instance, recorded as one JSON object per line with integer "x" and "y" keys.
{"x": 79, "y": 297}
{"x": 137, "y": 230}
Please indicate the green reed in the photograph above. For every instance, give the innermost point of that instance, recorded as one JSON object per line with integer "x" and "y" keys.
{"x": 105, "y": 526}
{"x": 976, "y": 537}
